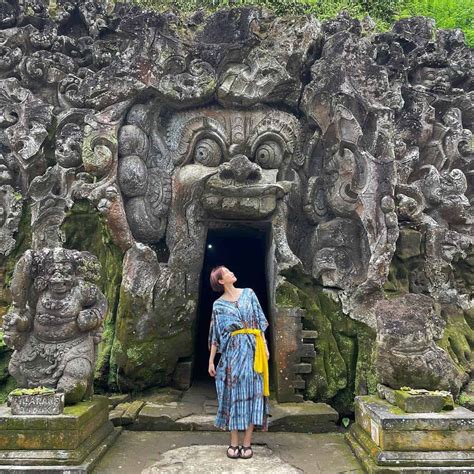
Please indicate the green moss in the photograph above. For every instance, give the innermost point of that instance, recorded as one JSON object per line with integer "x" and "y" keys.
{"x": 144, "y": 358}
{"x": 396, "y": 410}
{"x": 458, "y": 339}
{"x": 7, "y": 264}
{"x": 85, "y": 229}
{"x": 6, "y": 388}
{"x": 466, "y": 400}
{"x": 32, "y": 391}
{"x": 343, "y": 366}
{"x": 397, "y": 281}
{"x": 447, "y": 13}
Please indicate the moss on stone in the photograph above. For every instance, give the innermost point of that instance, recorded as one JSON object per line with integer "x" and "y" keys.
{"x": 142, "y": 360}
{"x": 343, "y": 366}
{"x": 85, "y": 229}
{"x": 397, "y": 281}
{"x": 467, "y": 400}
{"x": 32, "y": 391}
{"x": 7, "y": 265}
{"x": 6, "y": 388}
{"x": 458, "y": 338}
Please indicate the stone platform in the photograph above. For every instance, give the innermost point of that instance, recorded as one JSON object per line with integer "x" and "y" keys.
{"x": 386, "y": 439}
{"x": 195, "y": 410}
{"x": 186, "y": 452}
{"x": 70, "y": 442}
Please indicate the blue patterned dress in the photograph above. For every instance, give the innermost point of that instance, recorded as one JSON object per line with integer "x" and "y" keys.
{"x": 239, "y": 388}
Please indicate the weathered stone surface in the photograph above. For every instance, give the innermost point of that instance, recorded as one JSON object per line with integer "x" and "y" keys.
{"x": 56, "y": 321}
{"x": 374, "y": 459}
{"x": 49, "y": 404}
{"x": 203, "y": 459}
{"x": 316, "y": 453}
{"x": 305, "y": 417}
{"x": 334, "y": 135}
{"x": 196, "y": 411}
{"x": 130, "y": 411}
{"x": 421, "y": 401}
{"x": 159, "y": 417}
{"x": 385, "y": 437}
{"x": 406, "y": 353}
{"x": 117, "y": 399}
{"x": 67, "y": 438}
{"x": 390, "y": 418}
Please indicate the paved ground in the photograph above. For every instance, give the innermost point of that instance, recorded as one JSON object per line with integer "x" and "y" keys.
{"x": 153, "y": 452}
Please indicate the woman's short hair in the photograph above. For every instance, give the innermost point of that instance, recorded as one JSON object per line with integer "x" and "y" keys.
{"x": 216, "y": 275}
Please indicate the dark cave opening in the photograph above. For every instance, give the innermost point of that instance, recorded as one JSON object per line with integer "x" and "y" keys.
{"x": 244, "y": 250}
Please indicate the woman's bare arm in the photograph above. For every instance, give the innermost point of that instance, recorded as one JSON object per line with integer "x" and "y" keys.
{"x": 211, "y": 369}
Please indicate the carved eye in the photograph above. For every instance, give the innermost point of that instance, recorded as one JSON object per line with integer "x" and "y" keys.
{"x": 269, "y": 155}
{"x": 207, "y": 152}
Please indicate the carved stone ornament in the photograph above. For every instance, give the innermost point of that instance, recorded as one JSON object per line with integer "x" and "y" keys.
{"x": 146, "y": 131}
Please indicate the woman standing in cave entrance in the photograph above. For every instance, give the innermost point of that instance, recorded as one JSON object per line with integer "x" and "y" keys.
{"x": 237, "y": 332}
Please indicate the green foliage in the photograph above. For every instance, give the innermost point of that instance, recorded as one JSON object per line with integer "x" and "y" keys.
{"x": 32, "y": 391}
{"x": 447, "y": 13}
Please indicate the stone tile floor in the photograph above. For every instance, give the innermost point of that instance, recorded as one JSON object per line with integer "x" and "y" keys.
{"x": 152, "y": 452}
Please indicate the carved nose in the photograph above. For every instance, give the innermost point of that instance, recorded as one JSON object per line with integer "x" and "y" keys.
{"x": 240, "y": 169}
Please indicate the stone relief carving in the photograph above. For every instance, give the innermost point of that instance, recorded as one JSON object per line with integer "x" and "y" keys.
{"x": 337, "y": 136}
{"x": 56, "y": 321}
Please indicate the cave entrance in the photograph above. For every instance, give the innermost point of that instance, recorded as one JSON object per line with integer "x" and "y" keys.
{"x": 245, "y": 249}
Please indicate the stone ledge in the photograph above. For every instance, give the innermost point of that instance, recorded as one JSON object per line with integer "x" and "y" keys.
{"x": 85, "y": 466}
{"x": 305, "y": 417}
{"x": 73, "y": 418}
{"x": 57, "y": 456}
{"x": 389, "y": 417}
{"x": 375, "y": 459}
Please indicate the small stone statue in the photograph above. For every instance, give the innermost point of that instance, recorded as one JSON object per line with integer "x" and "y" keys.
{"x": 55, "y": 323}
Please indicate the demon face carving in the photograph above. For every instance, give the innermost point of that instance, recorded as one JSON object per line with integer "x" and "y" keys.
{"x": 245, "y": 155}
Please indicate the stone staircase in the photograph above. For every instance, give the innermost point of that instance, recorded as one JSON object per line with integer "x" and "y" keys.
{"x": 295, "y": 347}
{"x": 168, "y": 409}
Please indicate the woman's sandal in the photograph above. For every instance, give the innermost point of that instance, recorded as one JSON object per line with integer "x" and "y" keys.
{"x": 245, "y": 448}
{"x": 236, "y": 452}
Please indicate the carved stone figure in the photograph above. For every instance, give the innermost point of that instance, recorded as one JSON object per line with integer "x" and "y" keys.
{"x": 56, "y": 321}
{"x": 407, "y": 355}
{"x": 350, "y": 149}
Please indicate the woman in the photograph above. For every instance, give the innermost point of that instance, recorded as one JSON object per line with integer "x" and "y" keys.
{"x": 237, "y": 332}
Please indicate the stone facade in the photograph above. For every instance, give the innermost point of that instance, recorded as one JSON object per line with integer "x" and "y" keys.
{"x": 353, "y": 146}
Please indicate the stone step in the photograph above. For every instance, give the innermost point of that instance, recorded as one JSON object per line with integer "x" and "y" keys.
{"x": 309, "y": 334}
{"x": 299, "y": 383}
{"x": 126, "y": 413}
{"x": 301, "y": 417}
{"x": 302, "y": 368}
{"x": 307, "y": 350}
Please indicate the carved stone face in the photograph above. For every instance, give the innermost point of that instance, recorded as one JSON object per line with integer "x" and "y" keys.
{"x": 58, "y": 271}
{"x": 68, "y": 146}
{"x": 338, "y": 258}
{"x": 447, "y": 244}
{"x": 434, "y": 79}
{"x": 445, "y": 192}
{"x": 244, "y": 156}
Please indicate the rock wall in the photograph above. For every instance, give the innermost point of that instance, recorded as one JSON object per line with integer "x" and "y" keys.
{"x": 122, "y": 131}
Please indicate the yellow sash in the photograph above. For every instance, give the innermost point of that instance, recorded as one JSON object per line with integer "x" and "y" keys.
{"x": 260, "y": 362}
